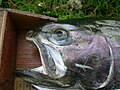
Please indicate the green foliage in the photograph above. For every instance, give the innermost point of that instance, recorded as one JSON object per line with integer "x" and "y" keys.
{"x": 64, "y": 9}
{"x": 0, "y": 2}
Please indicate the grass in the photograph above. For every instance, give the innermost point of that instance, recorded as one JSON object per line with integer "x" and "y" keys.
{"x": 66, "y": 9}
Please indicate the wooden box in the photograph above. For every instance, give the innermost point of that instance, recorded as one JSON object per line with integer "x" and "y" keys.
{"x": 15, "y": 51}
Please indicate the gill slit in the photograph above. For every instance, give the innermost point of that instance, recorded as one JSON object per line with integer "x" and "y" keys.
{"x": 111, "y": 71}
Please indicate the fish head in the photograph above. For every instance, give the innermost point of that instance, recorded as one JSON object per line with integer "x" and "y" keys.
{"x": 70, "y": 54}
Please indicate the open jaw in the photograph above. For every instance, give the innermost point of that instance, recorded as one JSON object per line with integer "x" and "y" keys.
{"x": 51, "y": 59}
{"x": 52, "y": 68}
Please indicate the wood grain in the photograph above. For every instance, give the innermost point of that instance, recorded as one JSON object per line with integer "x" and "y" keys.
{"x": 15, "y": 51}
{"x": 3, "y": 15}
{"x": 7, "y": 72}
{"x": 22, "y": 85}
{"x": 27, "y": 53}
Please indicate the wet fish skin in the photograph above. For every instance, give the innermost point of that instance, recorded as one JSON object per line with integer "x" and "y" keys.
{"x": 79, "y": 53}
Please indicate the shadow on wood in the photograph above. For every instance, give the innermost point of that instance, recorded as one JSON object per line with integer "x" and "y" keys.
{"x": 15, "y": 51}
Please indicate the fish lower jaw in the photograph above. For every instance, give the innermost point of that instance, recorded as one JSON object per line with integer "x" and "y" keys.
{"x": 53, "y": 66}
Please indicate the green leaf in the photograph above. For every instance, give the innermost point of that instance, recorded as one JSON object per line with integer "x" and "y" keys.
{"x": 0, "y": 2}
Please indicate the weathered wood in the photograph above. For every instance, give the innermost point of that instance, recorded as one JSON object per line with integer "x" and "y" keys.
{"x": 25, "y": 20}
{"x": 27, "y": 53}
{"x": 7, "y": 72}
{"x": 2, "y": 30}
{"x": 15, "y": 50}
{"x": 22, "y": 85}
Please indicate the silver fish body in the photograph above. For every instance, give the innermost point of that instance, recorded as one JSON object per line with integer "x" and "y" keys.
{"x": 76, "y": 54}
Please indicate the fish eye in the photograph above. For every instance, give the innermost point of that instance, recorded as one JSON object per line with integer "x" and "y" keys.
{"x": 60, "y": 34}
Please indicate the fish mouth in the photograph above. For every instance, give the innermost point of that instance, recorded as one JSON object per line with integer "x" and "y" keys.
{"x": 51, "y": 59}
{"x": 52, "y": 62}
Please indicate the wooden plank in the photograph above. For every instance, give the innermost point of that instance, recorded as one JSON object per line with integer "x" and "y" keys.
{"x": 22, "y": 85}
{"x": 26, "y": 86}
{"x": 27, "y": 53}
{"x": 15, "y": 84}
{"x": 3, "y": 16}
{"x": 25, "y": 20}
{"x": 8, "y": 57}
